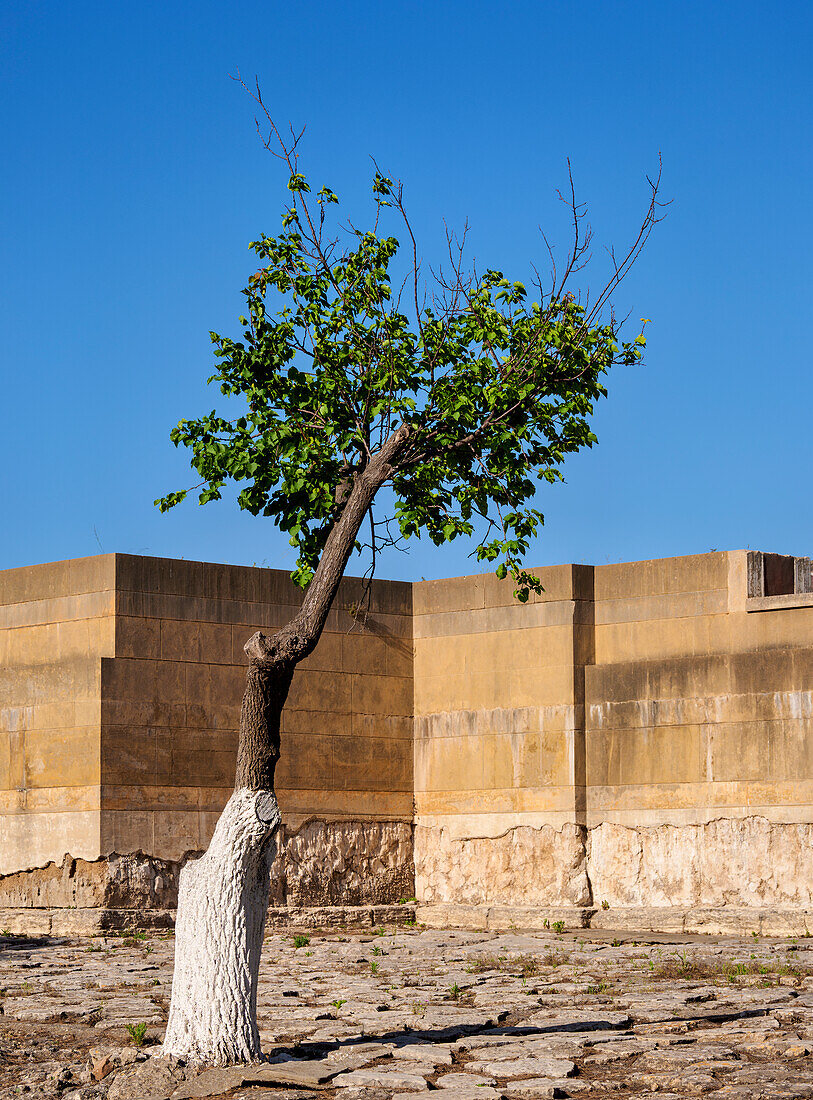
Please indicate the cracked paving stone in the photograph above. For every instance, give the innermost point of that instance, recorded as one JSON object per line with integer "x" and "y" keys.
{"x": 385, "y": 1078}
{"x": 543, "y": 1087}
{"x": 463, "y": 1080}
{"x": 526, "y": 1067}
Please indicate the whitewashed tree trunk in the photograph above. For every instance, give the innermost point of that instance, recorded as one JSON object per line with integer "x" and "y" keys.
{"x": 222, "y": 903}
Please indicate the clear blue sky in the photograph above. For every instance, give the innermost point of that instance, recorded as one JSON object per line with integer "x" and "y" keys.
{"x": 133, "y": 180}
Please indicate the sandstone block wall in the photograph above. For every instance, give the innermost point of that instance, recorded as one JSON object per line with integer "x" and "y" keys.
{"x": 120, "y": 703}
{"x": 638, "y": 734}
{"x": 57, "y": 622}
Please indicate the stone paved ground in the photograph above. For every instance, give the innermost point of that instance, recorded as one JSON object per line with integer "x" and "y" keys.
{"x": 476, "y": 1015}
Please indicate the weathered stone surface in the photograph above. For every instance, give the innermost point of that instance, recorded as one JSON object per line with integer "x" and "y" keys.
{"x": 463, "y": 1080}
{"x": 524, "y": 1067}
{"x": 155, "y": 1079}
{"x": 384, "y": 1078}
{"x": 344, "y": 862}
{"x": 433, "y": 1054}
{"x": 295, "y": 1072}
{"x": 677, "y": 1017}
{"x": 744, "y": 862}
{"x": 463, "y": 1092}
{"x": 541, "y": 866}
{"x": 211, "y": 1082}
{"x": 545, "y": 1088}
{"x": 132, "y": 881}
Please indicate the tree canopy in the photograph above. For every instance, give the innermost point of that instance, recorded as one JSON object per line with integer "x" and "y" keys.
{"x": 345, "y": 342}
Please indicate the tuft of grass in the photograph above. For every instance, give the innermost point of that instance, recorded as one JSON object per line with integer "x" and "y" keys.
{"x": 301, "y": 941}
{"x": 558, "y": 926}
{"x": 137, "y": 1033}
{"x": 455, "y": 992}
{"x": 528, "y": 965}
{"x": 605, "y": 904}
{"x": 684, "y": 967}
{"x": 373, "y": 967}
{"x": 602, "y": 987}
{"x": 524, "y": 966}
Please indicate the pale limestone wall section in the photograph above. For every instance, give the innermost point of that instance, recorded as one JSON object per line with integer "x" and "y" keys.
{"x": 696, "y": 732}
{"x": 523, "y": 866}
{"x": 693, "y": 717}
{"x": 499, "y": 702}
{"x": 56, "y": 624}
{"x": 747, "y": 862}
{"x": 741, "y": 863}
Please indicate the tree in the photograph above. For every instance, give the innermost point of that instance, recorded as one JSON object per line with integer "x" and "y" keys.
{"x": 457, "y": 393}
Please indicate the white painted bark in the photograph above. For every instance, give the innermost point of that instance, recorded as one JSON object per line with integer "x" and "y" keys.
{"x": 222, "y": 903}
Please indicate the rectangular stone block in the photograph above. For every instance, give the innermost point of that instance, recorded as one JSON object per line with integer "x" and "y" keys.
{"x": 61, "y": 758}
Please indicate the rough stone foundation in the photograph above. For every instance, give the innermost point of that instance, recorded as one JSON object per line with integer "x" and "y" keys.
{"x": 728, "y": 875}
{"x": 344, "y": 863}
{"x": 746, "y": 863}
{"x": 325, "y": 873}
{"x": 523, "y": 866}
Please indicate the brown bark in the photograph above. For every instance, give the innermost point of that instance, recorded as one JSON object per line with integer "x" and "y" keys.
{"x": 273, "y": 660}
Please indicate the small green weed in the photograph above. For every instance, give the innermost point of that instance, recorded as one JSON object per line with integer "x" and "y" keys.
{"x": 137, "y": 1033}
{"x": 373, "y": 967}
{"x": 605, "y": 904}
{"x": 301, "y": 941}
{"x": 558, "y": 926}
{"x": 338, "y": 1003}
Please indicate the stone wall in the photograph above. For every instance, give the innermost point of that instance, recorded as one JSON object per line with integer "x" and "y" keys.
{"x": 120, "y": 703}
{"x": 57, "y": 622}
{"x": 636, "y": 737}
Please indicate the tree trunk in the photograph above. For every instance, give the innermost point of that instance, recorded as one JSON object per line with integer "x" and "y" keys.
{"x": 223, "y": 897}
{"x": 222, "y": 902}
